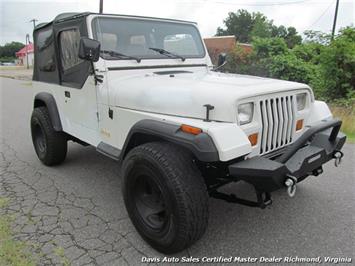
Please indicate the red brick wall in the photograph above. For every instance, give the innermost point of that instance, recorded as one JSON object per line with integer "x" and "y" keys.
{"x": 217, "y": 45}
{"x": 223, "y": 44}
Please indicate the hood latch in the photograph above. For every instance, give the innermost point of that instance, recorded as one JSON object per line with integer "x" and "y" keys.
{"x": 209, "y": 107}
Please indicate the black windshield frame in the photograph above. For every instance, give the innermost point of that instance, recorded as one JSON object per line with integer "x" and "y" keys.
{"x": 198, "y": 39}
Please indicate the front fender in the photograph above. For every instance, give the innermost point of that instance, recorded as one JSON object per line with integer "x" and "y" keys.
{"x": 201, "y": 145}
{"x": 319, "y": 111}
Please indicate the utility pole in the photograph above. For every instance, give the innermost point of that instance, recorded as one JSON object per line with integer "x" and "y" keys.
{"x": 34, "y": 22}
{"x": 335, "y": 19}
{"x": 27, "y": 43}
{"x": 101, "y": 6}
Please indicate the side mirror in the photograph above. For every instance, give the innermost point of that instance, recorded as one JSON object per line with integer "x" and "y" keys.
{"x": 89, "y": 49}
{"x": 222, "y": 57}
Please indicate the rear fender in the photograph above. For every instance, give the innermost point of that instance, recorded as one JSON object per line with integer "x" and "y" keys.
{"x": 46, "y": 99}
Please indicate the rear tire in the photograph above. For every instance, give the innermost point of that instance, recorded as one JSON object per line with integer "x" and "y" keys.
{"x": 50, "y": 145}
{"x": 165, "y": 196}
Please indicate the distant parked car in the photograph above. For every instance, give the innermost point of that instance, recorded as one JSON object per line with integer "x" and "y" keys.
{"x": 7, "y": 64}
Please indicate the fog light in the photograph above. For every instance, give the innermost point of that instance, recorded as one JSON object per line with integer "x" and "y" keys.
{"x": 253, "y": 138}
{"x": 299, "y": 124}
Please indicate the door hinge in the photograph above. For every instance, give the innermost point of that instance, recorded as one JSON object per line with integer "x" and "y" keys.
{"x": 110, "y": 113}
{"x": 97, "y": 116}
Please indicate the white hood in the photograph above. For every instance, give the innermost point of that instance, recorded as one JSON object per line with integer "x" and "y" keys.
{"x": 184, "y": 94}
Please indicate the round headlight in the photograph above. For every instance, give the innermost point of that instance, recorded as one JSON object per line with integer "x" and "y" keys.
{"x": 245, "y": 113}
{"x": 301, "y": 101}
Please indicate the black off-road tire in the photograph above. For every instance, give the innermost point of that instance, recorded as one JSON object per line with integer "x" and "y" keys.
{"x": 50, "y": 145}
{"x": 182, "y": 214}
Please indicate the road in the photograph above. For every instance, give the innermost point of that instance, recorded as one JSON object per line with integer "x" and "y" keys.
{"x": 16, "y": 72}
{"x": 77, "y": 206}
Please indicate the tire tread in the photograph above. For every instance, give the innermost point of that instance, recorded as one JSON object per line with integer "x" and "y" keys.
{"x": 56, "y": 141}
{"x": 188, "y": 187}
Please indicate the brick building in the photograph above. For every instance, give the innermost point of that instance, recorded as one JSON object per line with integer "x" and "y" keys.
{"x": 223, "y": 44}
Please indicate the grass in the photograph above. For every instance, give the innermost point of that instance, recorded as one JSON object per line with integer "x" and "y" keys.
{"x": 28, "y": 83}
{"x": 347, "y": 115}
{"x": 12, "y": 252}
{"x": 13, "y": 67}
{"x": 59, "y": 251}
{"x": 3, "y": 202}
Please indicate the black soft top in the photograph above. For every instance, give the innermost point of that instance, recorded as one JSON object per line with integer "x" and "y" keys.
{"x": 74, "y": 15}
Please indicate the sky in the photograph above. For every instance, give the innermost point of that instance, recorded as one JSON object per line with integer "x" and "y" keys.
{"x": 15, "y": 15}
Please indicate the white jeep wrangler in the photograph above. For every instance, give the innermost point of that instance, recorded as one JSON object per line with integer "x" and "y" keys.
{"x": 144, "y": 92}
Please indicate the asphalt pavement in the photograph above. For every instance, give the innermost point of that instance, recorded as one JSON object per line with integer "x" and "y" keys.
{"x": 78, "y": 207}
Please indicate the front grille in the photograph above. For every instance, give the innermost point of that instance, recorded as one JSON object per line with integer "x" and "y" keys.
{"x": 278, "y": 122}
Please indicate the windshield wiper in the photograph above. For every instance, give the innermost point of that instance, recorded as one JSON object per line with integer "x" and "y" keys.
{"x": 119, "y": 55}
{"x": 167, "y": 53}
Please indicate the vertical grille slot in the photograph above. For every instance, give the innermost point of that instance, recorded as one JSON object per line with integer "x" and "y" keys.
{"x": 277, "y": 120}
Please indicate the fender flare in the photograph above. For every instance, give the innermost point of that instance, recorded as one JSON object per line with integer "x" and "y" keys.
{"x": 201, "y": 145}
{"x": 47, "y": 99}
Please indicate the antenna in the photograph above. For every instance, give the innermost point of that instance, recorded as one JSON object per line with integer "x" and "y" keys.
{"x": 101, "y": 6}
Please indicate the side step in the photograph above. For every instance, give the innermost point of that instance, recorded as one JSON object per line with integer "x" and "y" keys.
{"x": 108, "y": 150}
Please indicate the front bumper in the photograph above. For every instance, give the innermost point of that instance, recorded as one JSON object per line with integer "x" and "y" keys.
{"x": 304, "y": 157}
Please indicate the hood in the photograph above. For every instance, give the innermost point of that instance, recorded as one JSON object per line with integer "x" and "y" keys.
{"x": 183, "y": 93}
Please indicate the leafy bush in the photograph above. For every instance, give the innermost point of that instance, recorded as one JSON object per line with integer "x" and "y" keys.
{"x": 243, "y": 62}
{"x": 308, "y": 52}
{"x": 328, "y": 68}
{"x": 289, "y": 67}
{"x": 268, "y": 47}
{"x": 256, "y": 62}
{"x": 338, "y": 65}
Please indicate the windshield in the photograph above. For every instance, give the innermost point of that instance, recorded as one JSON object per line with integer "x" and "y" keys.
{"x": 137, "y": 37}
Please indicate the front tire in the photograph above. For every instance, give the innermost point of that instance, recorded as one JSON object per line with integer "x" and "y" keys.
{"x": 165, "y": 196}
{"x": 50, "y": 145}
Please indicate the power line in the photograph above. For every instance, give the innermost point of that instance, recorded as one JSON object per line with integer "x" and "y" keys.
{"x": 263, "y": 4}
{"x": 246, "y": 4}
{"x": 325, "y": 11}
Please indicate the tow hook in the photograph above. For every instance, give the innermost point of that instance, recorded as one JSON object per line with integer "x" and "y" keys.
{"x": 338, "y": 155}
{"x": 290, "y": 183}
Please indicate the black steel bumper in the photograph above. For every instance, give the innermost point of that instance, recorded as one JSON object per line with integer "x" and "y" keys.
{"x": 304, "y": 157}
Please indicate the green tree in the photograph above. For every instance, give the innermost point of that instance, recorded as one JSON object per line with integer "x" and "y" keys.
{"x": 9, "y": 49}
{"x": 280, "y": 31}
{"x": 239, "y": 24}
{"x": 245, "y": 26}
{"x": 292, "y": 38}
{"x": 313, "y": 36}
{"x": 261, "y": 26}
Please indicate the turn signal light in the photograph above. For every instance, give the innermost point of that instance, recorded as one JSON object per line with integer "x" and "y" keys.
{"x": 299, "y": 124}
{"x": 191, "y": 130}
{"x": 253, "y": 138}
